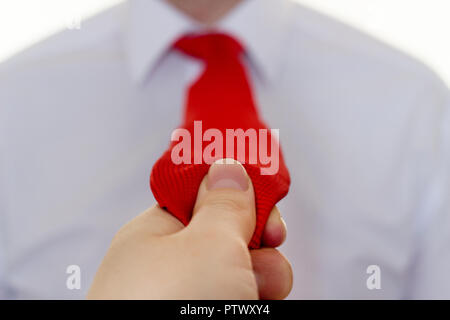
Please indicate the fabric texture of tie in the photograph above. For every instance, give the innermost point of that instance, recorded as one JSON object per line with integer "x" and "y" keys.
{"x": 221, "y": 98}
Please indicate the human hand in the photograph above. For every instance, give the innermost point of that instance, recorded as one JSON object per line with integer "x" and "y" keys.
{"x": 155, "y": 256}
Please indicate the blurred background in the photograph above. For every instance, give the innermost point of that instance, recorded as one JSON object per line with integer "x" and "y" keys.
{"x": 419, "y": 27}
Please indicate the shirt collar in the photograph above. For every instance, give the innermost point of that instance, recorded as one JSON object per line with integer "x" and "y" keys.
{"x": 153, "y": 25}
{"x": 262, "y": 27}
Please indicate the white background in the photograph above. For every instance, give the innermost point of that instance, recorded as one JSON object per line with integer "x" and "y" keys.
{"x": 420, "y": 27}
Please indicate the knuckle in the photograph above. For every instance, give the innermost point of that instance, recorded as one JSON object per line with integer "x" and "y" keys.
{"x": 219, "y": 244}
{"x": 121, "y": 235}
{"x": 230, "y": 201}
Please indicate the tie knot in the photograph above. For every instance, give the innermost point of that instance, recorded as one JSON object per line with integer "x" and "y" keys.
{"x": 209, "y": 46}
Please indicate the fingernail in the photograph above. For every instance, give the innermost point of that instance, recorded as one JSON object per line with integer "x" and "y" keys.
{"x": 284, "y": 225}
{"x": 227, "y": 173}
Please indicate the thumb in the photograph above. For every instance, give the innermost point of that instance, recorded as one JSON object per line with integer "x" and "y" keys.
{"x": 225, "y": 202}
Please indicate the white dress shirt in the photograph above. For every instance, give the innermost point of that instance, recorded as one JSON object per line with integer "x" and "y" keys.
{"x": 364, "y": 130}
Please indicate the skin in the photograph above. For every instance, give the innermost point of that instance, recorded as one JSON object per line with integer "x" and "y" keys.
{"x": 155, "y": 257}
{"x": 207, "y": 12}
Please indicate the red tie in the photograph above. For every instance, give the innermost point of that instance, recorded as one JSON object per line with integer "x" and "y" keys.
{"x": 221, "y": 98}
